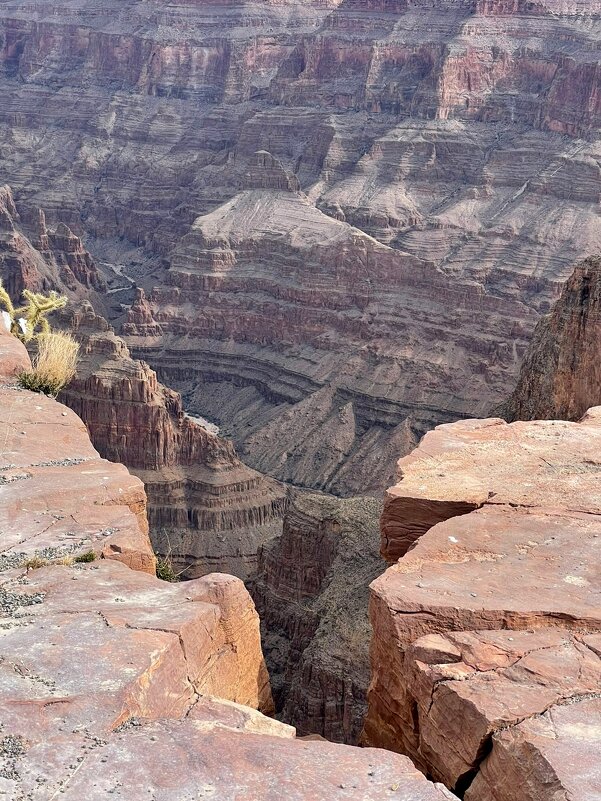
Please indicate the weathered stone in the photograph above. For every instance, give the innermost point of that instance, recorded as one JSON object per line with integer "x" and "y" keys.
{"x": 55, "y": 490}
{"x": 190, "y": 759}
{"x": 463, "y": 466}
{"x": 525, "y": 559}
{"x": 552, "y": 755}
{"x": 466, "y": 701}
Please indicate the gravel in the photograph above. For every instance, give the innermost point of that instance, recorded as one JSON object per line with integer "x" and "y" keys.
{"x": 10, "y": 602}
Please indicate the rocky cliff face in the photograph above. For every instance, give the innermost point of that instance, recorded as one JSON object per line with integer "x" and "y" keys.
{"x": 377, "y": 199}
{"x": 561, "y": 374}
{"x": 311, "y": 592}
{"x": 113, "y": 683}
{"x": 486, "y": 644}
{"x": 206, "y": 509}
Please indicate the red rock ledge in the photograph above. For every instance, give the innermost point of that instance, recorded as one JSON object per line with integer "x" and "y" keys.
{"x": 510, "y": 709}
{"x": 114, "y": 684}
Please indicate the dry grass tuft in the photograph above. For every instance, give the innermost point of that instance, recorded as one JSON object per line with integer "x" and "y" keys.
{"x": 54, "y": 364}
{"x": 36, "y": 562}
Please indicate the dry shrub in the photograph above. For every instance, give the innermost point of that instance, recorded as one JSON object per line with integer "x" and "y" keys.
{"x": 54, "y": 364}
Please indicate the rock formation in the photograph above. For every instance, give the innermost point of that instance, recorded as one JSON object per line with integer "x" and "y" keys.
{"x": 403, "y": 188}
{"x": 34, "y": 257}
{"x": 115, "y": 684}
{"x": 486, "y": 632}
{"x": 311, "y": 593}
{"x": 560, "y": 377}
{"x": 206, "y": 509}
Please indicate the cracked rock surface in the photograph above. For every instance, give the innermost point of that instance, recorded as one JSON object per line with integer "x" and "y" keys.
{"x": 114, "y": 684}
{"x": 487, "y": 630}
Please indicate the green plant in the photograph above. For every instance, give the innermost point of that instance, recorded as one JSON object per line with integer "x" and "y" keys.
{"x": 87, "y": 556}
{"x": 165, "y": 570}
{"x": 53, "y": 365}
{"x": 31, "y": 316}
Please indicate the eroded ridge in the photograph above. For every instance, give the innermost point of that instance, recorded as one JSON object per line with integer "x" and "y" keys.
{"x": 485, "y": 649}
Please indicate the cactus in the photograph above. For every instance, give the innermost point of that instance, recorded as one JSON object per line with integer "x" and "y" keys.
{"x": 31, "y": 316}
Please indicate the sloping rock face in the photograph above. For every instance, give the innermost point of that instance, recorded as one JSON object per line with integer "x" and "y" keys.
{"x": 206, "y": 509}
{"x": 486, "y": 630}
{"x": 561, "y": 374}
{"x": 115, "y": 683}
{"x": 448, "y": 158}
{"x": 311, "y": 593}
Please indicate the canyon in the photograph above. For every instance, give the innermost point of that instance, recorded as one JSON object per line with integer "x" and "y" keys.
{"x": 207, "y": 511}
{"x": 170, "y": 705}
{"x": 311, "y": 591}
{"x": 485, "y": 653}
{"x": 343, "y": 232}
{"x": 353, "y": 212}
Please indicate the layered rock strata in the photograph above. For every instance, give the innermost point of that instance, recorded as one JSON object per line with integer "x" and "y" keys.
{"x": 560, "y": 377}
{"x": 206, "y": 509}
{"x": 311, "y": 593}
{"x": 499, "y": 526}
{"x": 34, "y": 257}
{"x": 109, "y": 677}
{"x": 452, "y": 147}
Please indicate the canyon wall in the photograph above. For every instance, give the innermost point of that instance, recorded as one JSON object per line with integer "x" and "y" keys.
{"x": 113, "y": 683}
{"x": 207, "y": 511}
{"x": 34, "y": 257}
{"x": 311, "y": 593}
{"x": 561, "y": 374}
{"x": 355, "y": 211}
{"x": 486, "y": 647}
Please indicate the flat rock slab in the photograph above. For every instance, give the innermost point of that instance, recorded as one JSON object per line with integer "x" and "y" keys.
{"x": 210, "y": 625}
{"x": 57, "y": 496}
{"x": 86, "y": 649}
{"x": 192, "y": 760}
{"x": 462, "y": 466}
{"x": 498, "y": 567}
{"x": 90, "y": 656}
